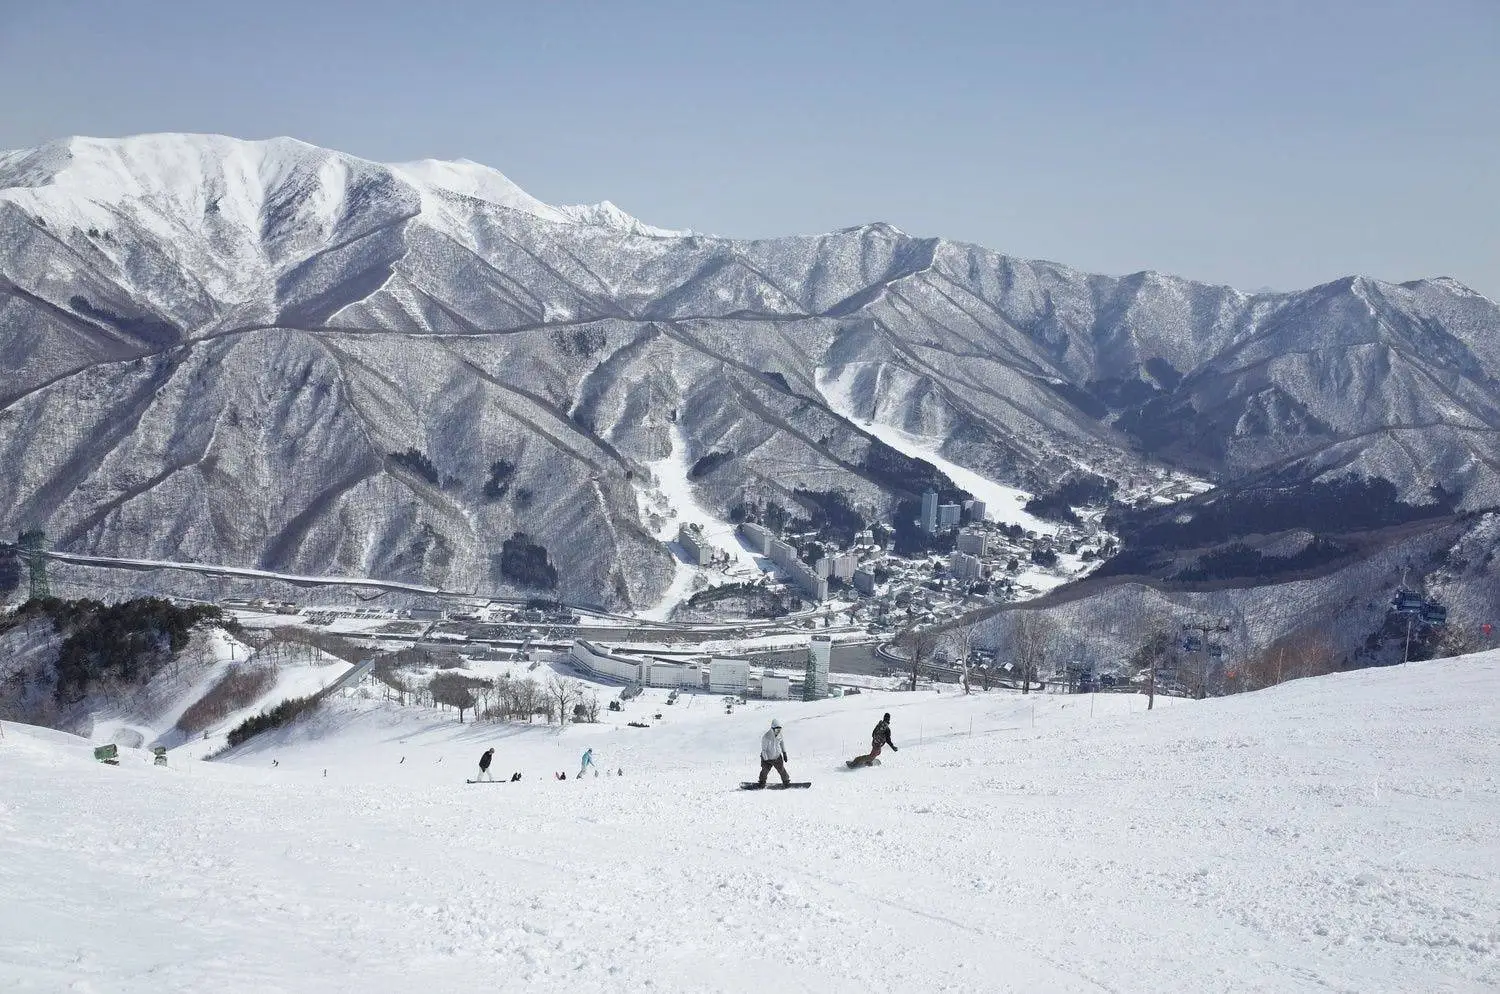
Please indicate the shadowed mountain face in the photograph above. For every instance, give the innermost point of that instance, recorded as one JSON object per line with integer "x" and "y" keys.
{"x": 269, "y": 354}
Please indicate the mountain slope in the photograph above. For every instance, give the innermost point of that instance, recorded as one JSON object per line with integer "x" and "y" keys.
{"x": 217, "y": 347}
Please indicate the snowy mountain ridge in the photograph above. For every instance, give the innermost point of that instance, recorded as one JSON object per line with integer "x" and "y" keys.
{"x": 252, "y": 174}
{"x": 229, "y": 351}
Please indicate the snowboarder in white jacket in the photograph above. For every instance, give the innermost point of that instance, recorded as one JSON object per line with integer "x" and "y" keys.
{"x": 773, "y": 754}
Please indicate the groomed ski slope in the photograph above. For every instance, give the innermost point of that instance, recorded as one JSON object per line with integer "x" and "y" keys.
{"x": 1004, "y": 504}
{"x": 1337, "y": 834}
{"x": 672, "y": 500}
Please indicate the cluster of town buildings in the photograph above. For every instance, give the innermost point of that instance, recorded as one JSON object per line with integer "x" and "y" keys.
{"x": 937, "y": 517}
{"x": 714, "y": 673}
{"x": 894, "y": 589}
{"x": 812, "y": 579}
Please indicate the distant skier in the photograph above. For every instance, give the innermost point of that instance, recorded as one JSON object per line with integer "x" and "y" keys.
{"x": 773, "y": 754}
{"x": 484, "y": 764}
{"x": 879, "y": 739}
{"x": 588, "y": 760}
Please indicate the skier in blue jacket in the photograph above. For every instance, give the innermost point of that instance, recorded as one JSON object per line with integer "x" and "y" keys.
{"x": 588, "y": 760}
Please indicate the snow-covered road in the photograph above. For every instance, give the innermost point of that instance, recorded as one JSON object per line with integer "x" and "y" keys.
{"x": 1334, "y": 834}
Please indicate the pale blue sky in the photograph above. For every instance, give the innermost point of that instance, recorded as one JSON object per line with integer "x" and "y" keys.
{"x": 1273, "y": 143}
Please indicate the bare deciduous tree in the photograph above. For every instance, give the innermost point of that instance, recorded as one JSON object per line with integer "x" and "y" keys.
{"x": 960, "y": 642}
{"x": 455, "y": 690}
{"x": 1459, "y": 637}
{"x": 325, "y": 642}
{"x": 1303, "y": 653}
{"x": 1155, "y": 648}
{"x": 528, "y": 698}
{"x": 920, "y": 642}
{"x": 1031, "y": 639}
{"x": 562, "y": 693}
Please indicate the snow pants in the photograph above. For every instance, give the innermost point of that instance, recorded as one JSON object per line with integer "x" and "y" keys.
{"x": 875, "y": 746}
{"x": 779, "y": 765}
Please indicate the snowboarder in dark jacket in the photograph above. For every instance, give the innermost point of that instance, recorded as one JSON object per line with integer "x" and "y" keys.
{"x": 484, "y": 764}
{"x": 879, "y": 739}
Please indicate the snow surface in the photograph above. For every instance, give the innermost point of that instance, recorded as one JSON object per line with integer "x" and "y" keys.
{"x": 299, "y": 678}
{"x": 671, "y": 502}
{"x": 150, "y": 718}
{"x": 1332, "y": 834}
{"x": 1001, "y": 503}
{"x": 137, "y": 727}
{"x": 468, "y": 178}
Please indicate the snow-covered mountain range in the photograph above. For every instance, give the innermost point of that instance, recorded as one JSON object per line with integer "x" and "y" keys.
{"x": 228, "y": 351}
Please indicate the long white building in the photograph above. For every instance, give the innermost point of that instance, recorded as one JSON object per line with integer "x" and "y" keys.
{"x": 649, "y": 671}
{"x": 757, "y": 537}
{"x": 802, "y": 575}
{"x": 700, "y": 551}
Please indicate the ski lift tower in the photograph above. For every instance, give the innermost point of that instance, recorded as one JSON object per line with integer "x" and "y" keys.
{"x": 1419, "y": 613}
{"x": 1196, "y": 641}
{"x": 34, "y": 550}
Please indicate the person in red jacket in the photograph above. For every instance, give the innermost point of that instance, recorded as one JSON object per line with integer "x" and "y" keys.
{"x": 879, "y": 739}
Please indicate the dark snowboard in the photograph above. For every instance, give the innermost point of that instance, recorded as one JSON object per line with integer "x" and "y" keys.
{"x": 860, "y": 766}
{"x": 752, "y": 785}
{"x": 487, "y": 781}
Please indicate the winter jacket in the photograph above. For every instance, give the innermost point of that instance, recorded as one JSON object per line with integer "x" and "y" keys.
{"x": 772, "y": 747}
{"x": 882, "y": 734}
{"x": 484, "y": 761}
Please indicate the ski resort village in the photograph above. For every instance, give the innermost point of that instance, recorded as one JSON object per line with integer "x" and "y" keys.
{"x": 409, "y": 582}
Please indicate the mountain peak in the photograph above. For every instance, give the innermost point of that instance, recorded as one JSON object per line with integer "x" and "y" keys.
{"x": 605, "y": 214}
{"x": 201, "y": 166}
{"x": 468, "y": 178}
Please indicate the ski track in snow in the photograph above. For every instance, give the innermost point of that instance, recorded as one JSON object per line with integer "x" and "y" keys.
{"x": 675, "y": 503}
{"x": 1311, "y": 837}
{"x": 1001, "y": 503}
